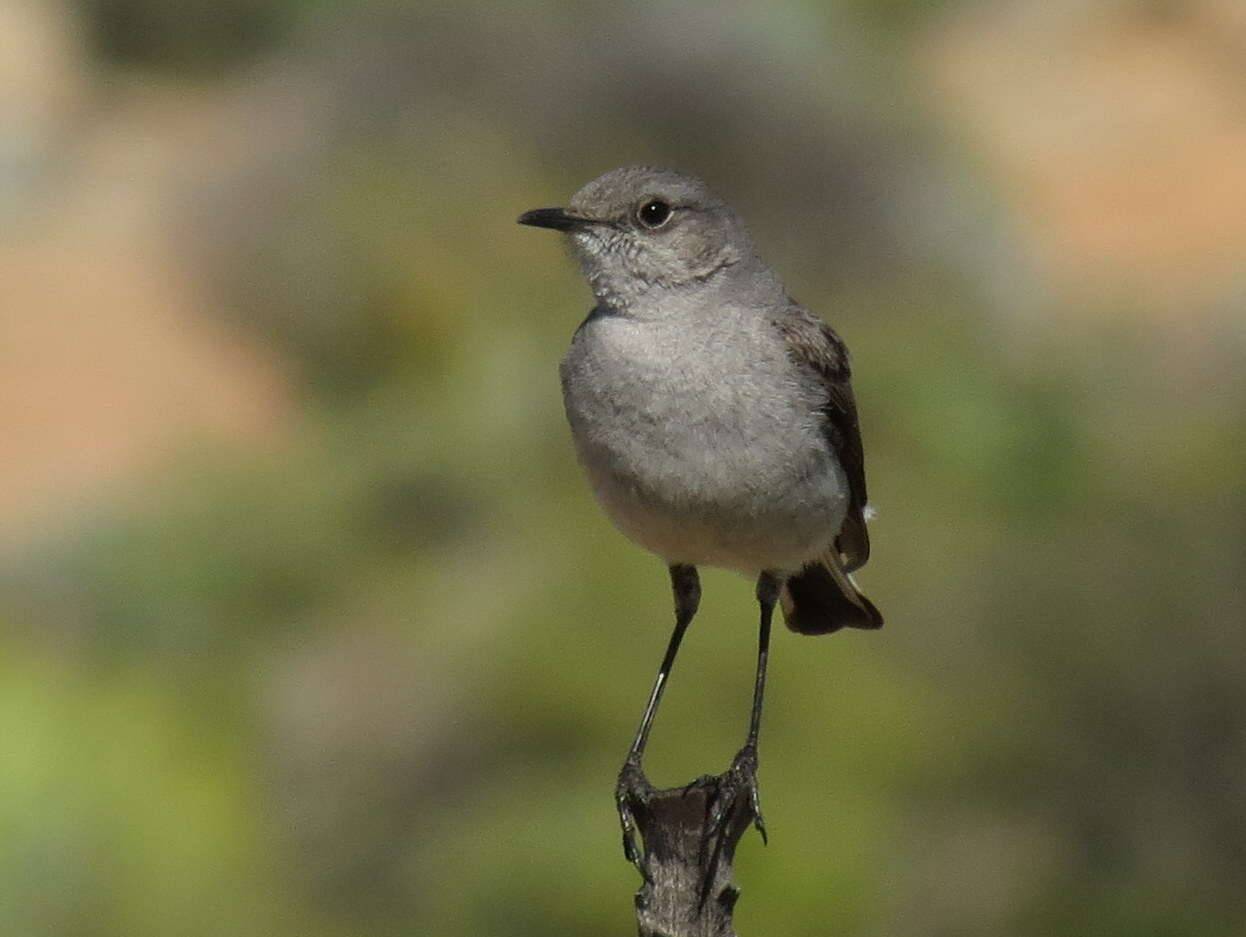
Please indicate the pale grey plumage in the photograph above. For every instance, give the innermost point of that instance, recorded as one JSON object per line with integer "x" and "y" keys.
{"x": 712, "y": 413}
{"x": 699, "y": 438}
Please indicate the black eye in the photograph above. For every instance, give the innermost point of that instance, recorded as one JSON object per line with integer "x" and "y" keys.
{"x": 653, "y": 214}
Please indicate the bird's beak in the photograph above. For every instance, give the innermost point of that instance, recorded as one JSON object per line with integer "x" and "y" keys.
{"x": 557, "y": 218}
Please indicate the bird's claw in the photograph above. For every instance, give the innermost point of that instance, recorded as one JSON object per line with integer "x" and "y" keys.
{"x": 632, "y": 790}
{"x": 738, "y": 781}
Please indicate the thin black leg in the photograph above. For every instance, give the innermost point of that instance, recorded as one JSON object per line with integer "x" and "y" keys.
{"x": 737, "y": 789}
{"x": 686, "y": 586}
{"x": 768, "y": 586}
{"x": 633, "y": 788}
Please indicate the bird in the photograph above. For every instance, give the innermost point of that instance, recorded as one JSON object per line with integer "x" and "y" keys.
{"x": 715, "y": 419}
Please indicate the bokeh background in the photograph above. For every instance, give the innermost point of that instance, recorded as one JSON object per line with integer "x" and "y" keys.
{"x": 308, "y": 623}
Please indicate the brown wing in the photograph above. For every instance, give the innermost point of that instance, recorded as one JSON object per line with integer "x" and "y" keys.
{"x": 814, "y": 345}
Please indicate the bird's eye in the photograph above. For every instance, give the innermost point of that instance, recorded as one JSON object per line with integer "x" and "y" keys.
{"x": 654, "y": 213}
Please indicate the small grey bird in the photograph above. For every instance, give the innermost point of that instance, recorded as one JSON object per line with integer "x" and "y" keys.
{"x": 715, "y": 419}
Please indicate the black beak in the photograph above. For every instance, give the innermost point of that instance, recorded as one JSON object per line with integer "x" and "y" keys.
{"x": 556, "y": 218}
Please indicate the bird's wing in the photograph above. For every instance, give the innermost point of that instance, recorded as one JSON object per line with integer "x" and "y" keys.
{"x": 813, "y": 344}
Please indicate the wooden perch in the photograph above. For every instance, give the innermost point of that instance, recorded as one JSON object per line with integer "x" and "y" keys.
{"x": 687, "y": 866}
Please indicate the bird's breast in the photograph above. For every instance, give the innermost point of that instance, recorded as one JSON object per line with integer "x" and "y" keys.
{"x": 703, "y": 446}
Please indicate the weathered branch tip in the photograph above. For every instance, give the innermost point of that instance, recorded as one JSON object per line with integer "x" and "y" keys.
{"x": 690, "y": 835}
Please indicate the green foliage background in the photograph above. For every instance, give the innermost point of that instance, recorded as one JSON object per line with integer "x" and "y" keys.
{"x": 377, "y": 679}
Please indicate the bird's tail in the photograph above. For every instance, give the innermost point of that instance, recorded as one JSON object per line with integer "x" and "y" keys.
{"x": 822, "y": 598}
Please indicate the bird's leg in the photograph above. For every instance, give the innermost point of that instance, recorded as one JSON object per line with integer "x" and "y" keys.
{"x": 740, "y": 779}
{"x": 633, "y": 786}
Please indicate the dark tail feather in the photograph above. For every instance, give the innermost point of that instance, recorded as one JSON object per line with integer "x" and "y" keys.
{"x": 822, "y": 598}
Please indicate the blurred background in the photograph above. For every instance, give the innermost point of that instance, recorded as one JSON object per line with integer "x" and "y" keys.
{"x": 308, "y": 623}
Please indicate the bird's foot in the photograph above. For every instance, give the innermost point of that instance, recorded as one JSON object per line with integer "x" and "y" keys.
{"x": 735, "y": 789}
{"x": 631, "y": 793}
{"x": 732, "y": 802}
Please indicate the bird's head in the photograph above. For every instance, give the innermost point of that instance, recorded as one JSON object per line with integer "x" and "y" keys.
{"x": 639, "y": 228}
